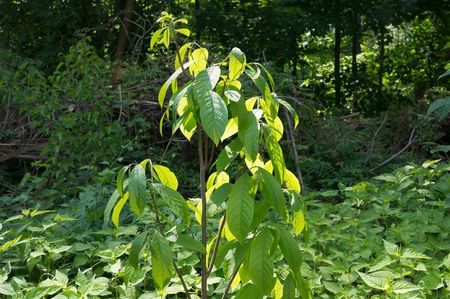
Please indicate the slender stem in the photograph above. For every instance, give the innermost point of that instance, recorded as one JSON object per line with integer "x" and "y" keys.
{"x": 161, "y": 230}
{"x": 202, "y": 159}
{"x": 230, "y": 281}
{"x": 216, "y": 245}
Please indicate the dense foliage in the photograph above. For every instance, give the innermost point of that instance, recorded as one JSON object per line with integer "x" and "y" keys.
{"x": 242, "y": 198}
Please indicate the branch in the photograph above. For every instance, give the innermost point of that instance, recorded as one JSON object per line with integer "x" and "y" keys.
{"x": 411, "y": 140}
{"x": 216, "y": 245}
{"x": 231, "y": 281}
{"x": 374, "y": 137}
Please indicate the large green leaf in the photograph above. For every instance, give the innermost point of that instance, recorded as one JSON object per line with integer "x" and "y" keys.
{"x": 166, "y": 176}
{"x": 136, "y": 248}
{"x": 163, "y": 91}
{"x": 120, "y": 177}
{"x": 174, "y": 200}
{"x": 249, "y": 291}
{"x": 213, "y": 110}
{"x": 240, "y": 207}
{"x": 188, "y": 242}
{"x": 271, "y": 189}
{"x": 249, "y": 133}
{"x": 276, "y": 155}
{"x": 118, "y": 209}
{"x": 137, "y": 189}
{"x": 162, "y": 260}
{"x": 237, "y": 64}
{"x": 260, "y": 264}
{"x": 292, "y": 255}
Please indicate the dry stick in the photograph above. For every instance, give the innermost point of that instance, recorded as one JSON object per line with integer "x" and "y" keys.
{"x": 216, "y": 245}
{"x": 374, "y": 137}
{"x": 294, "y": 148}
{"x": 410, "y": 141}
{"x": 203, "y": 160}
{"x": 161, "y": 230}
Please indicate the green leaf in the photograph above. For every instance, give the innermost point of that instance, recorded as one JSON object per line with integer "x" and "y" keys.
{"x": 200, "y": 56}
{"x": 298, "y": 222}
{"x": 373, "y": 281}
{"x": 162, "y": 267}
{"x": 260, "y": 264}
{"x": 440, "y": 107}
{"x": 289, "y": 287}
{"x": 292, "y": 255}
{"x": 9, "y": 244}
{"x": 276, "y": 156}
{"x": 118, "y": 209}
{"x": 166, "y": 177}
{"x": 240, "y": 207}
{"x": 249, "y": 291}
{"x": 111, "y": 203}
{"x": 163, "y": 90}
{"x": 291, "y": 110}
{"x": 391, "y": 248}
{"x": 174, "y": 200}
{"x": 7, "y": 289}
{"x": 228, "y": 154}
{"x": 156, "y": 37}
{"x": 409, "y": 253}
{"x": 249, "y": 133}
{"x": 271, "y": 189}
{"x": 213, "y": 115}
{"x": 403, "y": 287}
{"x": 136, "y": 248}
{"x": 237, "y": 64}
{"x": 184, "y": 31}
{"x": 213, "y": 110}
{"x": 137, "y": 189}
{"x": 119, "y": 182}
{"x": 182, "y": 53}
{"x": 187, "y": 242}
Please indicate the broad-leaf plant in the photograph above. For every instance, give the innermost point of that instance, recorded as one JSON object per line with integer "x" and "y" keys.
{"x": 249, "y": 211}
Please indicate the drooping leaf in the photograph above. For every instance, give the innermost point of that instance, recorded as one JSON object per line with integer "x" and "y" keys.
{"x": 174, "y": 200}
{"x": 298, "y": 222}
{"x": 249, "y": 291}
{"x": 118, "y": 209}
{"x": 162, "y": 260}
{"x": 200, "y": 56}
{"x": 237, "y": 64}
{"x": 291, "y": 181}
{"x": 120, "y": 177}
{"x": 276, "y": 156}
{"x": 166, "y": 176}
{"x": 240, "y": 207}
{"x": 136, "y": 248}
{"x": 291, "y": 110}
{"x": 213, "y": 115}
{"x": 163, "y": 90}
{"x": 260, "y": 264}
{"x": 137, "y": 189}
{"x": 271, "y": 189}
{"x": 188, "y": 242}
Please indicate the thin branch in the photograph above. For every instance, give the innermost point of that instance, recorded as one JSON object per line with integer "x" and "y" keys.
{"x": 216, "y": 245}
{"x": 411, "y": 140}
{"x": 291, "y": 135}
{"x": 230, "y": 282}
{"x": 202, "y": 169}
{"x": 374, "y": 137}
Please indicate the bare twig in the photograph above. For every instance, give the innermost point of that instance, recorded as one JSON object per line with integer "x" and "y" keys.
{"x": 369, "y": 154}
{"x": 230, "y": 282}
{"x": 291, "y": 135}
{"x": 411, "y": 140}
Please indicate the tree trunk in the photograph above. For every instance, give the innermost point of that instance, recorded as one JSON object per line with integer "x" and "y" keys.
{"x": 381, "y": 63}
{"x": 198, "y": 31}
{"x": 356, "y": 47}
{"x": 337, "y": 54}
{"x": 118, "y": 55}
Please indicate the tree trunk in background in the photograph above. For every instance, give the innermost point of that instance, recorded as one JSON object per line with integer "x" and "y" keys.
{"x": 122, "y": 41}
{"x": 356, "y": 47}
{"x": 198, "y": 31}
{"x": 337, "y": 55}
{"x": 381, "y": 62}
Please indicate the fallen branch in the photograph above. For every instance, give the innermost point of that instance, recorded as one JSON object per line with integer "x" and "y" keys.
{"x": 411, "y": 140}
